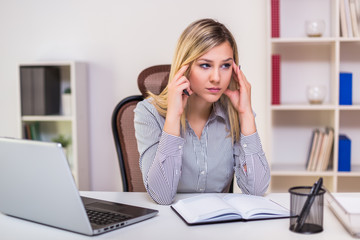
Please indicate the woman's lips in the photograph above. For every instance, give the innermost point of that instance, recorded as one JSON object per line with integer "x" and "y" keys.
{"x": 214, "y": 90}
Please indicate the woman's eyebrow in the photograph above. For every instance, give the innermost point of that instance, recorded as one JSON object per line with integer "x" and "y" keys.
{"x": 208, "y": 60}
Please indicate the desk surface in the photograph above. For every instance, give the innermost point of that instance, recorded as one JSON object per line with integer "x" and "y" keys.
{"x": 167, "y": 225}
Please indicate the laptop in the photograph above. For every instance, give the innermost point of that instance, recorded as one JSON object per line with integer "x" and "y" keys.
{"x": 36, "y": 184}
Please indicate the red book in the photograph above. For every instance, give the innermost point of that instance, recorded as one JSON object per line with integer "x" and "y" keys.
{"x": 275, "y": 79}
{"x": 275, "y": 18}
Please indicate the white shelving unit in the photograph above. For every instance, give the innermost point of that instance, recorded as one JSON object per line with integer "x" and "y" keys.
{"x": 75, "y": 126}
{"x": 305, "y": 61}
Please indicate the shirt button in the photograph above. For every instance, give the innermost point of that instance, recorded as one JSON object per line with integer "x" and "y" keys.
{"x": 202, "y": 172}
{"x": 244, "y": 145}
{"x": 180, "y": 147}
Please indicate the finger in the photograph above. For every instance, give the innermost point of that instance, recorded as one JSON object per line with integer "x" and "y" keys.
{"x": 181, "y": 72}
{"x": 240, "y": 76}
{"x": 244, "y": 79}
{"x": 184, "y": 85}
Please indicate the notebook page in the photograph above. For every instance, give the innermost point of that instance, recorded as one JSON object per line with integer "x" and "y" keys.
{"x": 255, "y": 206}
{"x": 202, "y": 207}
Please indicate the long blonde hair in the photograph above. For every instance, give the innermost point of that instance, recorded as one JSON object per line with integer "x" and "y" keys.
{"x": 197, "y": 39}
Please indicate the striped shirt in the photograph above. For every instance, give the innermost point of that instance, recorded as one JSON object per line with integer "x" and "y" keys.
{"x": 187, "y": 164}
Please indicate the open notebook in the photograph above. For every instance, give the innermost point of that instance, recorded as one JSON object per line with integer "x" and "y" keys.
{"x": 213, "y": 208}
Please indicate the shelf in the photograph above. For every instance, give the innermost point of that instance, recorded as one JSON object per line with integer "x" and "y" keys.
{"x": 306, "y": 61}
{"x": 310, "y": 107}
{"x": 296, "y": 170}
{"x": 53, "y": 118}
{"x": 349, "y": 108}
{"x": 69, "y": 74}
{"x": 306, "y": 40}
{"x": 342, "y": 39}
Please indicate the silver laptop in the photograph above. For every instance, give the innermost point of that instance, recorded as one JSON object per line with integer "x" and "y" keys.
{"x": 36, "y": 184}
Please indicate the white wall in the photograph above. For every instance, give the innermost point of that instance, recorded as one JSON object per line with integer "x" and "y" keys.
{"x": 117, "y": 39}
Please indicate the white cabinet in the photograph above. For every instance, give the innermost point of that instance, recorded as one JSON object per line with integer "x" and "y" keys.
{"x": 73, "y": 125}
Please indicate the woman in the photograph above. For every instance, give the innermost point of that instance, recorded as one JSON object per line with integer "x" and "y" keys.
{"x": 200, "y": 129}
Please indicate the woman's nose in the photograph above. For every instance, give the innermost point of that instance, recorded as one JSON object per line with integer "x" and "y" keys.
{"x": 215, "y": 75}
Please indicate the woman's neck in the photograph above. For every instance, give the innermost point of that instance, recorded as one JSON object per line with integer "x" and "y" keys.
{"x": 197, "y": 114}
{"x": 198, "y": 108}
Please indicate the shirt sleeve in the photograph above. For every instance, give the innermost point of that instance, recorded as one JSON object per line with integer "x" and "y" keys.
{"x": 256, "y": 178}
{"x": 160, "y": 155}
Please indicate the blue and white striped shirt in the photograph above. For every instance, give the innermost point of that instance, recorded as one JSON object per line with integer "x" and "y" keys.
{"x": 187, "y": 164}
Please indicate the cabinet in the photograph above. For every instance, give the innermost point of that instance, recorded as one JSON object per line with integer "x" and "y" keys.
{"x": 305, "y": 61}
{"x": 71, "y": 125}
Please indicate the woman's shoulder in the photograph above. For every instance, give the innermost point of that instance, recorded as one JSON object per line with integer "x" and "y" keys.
{"x": 146, "y": 106}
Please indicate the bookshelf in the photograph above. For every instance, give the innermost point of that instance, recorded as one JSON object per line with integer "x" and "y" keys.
{"x": 72, "y": 125}
{"x": 305, "y": 61}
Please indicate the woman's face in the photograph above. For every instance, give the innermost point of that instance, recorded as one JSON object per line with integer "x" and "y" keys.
{"x": 210, "y": 75}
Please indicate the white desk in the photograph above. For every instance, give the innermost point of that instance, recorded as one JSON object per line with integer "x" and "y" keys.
{"x": 167, "y": 225}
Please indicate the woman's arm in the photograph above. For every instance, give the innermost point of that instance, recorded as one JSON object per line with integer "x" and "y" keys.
{"x": 160, "y": 154}
{"x": 252, "y": 169}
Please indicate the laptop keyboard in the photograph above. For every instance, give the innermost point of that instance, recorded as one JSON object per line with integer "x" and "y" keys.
{"x": 105, "y": 218}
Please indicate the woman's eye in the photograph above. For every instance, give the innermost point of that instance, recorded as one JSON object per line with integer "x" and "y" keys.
{"x": 226, "y": 65}
{"x": 205, "y": 65}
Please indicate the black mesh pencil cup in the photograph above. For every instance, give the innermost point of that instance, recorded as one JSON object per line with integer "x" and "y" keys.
{"x": 309, "y": 216}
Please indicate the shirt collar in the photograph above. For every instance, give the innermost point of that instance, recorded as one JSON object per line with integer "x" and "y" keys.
{"x": 218, "y": 111}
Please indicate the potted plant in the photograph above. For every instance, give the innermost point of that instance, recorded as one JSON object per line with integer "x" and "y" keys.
{"x": 65, "y": 143}
{"x": 66, "y": 102}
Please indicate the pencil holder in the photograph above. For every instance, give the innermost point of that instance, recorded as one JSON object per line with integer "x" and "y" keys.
{"x": 309, "y": 209}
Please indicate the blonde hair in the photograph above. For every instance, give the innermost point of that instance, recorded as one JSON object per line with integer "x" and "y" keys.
{"x": 197, "y": 39}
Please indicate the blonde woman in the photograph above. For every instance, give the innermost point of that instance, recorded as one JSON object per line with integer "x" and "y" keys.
{"x": 201, "y": 129}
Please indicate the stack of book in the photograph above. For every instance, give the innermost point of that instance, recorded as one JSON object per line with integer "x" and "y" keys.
{"x": 32, "y": 131}
{"x": 40, "y": 90}
{"x": 320, "y": 150}
{"x": 349, "y": 18}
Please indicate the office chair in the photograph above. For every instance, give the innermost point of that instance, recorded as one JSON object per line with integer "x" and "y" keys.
{"x": 153, "y": 79}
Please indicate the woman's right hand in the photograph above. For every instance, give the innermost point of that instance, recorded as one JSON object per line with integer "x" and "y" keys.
{"x": 176, "y": 98}
{"x": 176, "y": 101}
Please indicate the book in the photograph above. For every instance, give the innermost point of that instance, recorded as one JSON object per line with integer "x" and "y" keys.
{"x": 26, "y": 89}
{"x": 320, "y": 149}
{"x": 215, "y": 208}
{"x": 275, "y": 79}
{"x": 317, "y": 151}
{"x": 328, "y": 150}
{"x": 46, "y": 90}
{"x": 354, "y": 19}
{"x": 313, "y": 142}
{"x": 346, "y": 208}
{"x": 321, "y": 157}
{"x": 275, "y": 18}
{"x": 348, "y": 18}
{"x": 344, "y": 158}
{"x": 345, "y": 91}
{"x": 343, "y": 24}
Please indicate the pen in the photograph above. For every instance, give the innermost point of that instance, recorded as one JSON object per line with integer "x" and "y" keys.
{"x": 307, "y": 205}
{"x": 186, "y": 92}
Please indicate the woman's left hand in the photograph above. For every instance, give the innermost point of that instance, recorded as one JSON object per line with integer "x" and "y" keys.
{"x": 240, "y": 98}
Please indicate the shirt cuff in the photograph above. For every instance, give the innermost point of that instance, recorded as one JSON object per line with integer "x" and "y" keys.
{"x": 251, "y": 144}
{"x": 171, "y": 145}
